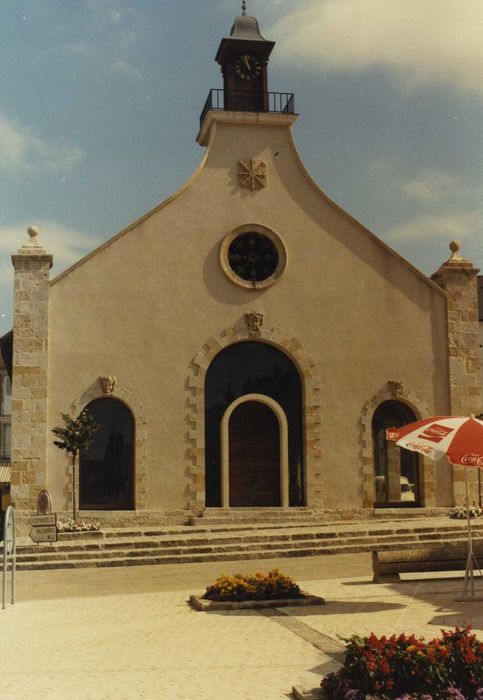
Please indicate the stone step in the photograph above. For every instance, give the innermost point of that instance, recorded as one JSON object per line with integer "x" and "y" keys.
{"x": 220, "y": 538}
{"x": 212, "y": 516}
{"x": 348, "y": 529}
{"x": 294, "y": 538}
{"x": 134, "y": 545}
{"x": 139, "y": 549}
{"x": 367, "y": 543}
{"x": 229, "y": 554}
{"x": 276, "y": 547}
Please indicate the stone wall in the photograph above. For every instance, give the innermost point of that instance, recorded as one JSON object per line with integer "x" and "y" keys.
{"x": 29, "y": 380}
{"x": 458, "y": 278}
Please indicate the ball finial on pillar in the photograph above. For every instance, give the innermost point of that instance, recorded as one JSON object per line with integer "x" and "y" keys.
{"x": 33, "y": 232}
{"x": 454, "y": 247}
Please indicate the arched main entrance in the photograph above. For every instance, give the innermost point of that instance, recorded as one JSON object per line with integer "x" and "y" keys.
{"x": 106, "y": 474}
{"x": 251, "y": 390}
{"x": 254, "y": 453}
{"x": 396, "y": 471}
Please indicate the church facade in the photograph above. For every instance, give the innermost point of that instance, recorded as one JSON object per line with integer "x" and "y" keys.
{"x": 245, "y": 344}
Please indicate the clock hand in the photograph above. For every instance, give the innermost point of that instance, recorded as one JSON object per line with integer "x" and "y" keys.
{"x": 245, "y": 58}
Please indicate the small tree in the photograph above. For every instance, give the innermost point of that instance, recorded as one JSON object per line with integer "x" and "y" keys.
{"x": 76, "y": 435}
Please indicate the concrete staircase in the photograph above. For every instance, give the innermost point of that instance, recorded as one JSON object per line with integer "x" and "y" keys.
{"x": 239, "y": 536}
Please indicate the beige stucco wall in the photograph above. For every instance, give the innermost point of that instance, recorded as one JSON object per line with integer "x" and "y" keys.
{"x": 143, "y": 306}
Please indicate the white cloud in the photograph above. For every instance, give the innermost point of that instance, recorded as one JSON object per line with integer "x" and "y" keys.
{"x": 23, "y": 151}
{"x": 66, "y": 244}
{"x": 431, "y": 186}
{"x": 428, "y": 40}
{"x": 426, "y": 186}
{"x": 448, "y": 227}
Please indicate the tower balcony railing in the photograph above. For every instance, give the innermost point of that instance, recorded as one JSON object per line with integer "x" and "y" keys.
{"x": 246, "y": 101}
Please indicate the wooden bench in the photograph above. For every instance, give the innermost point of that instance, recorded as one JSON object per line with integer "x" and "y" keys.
{"x": 387, "y": 565}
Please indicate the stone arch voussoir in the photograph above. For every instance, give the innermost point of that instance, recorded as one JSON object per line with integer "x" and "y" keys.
{"x": 127, "y": 396}
{"x": 392, "y": 391}
{"x": 196, "y": 407}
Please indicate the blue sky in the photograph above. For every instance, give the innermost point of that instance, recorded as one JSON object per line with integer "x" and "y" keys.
{"x": 100, "y": 103}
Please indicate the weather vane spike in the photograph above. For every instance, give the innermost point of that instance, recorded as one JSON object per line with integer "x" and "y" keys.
{"x": 244, "y": 8}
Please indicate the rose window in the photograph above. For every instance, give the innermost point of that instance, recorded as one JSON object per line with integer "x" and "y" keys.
{"x": 253, "y": 257}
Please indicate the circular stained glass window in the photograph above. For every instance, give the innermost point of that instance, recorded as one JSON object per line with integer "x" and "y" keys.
{"x": 253, "y": 256}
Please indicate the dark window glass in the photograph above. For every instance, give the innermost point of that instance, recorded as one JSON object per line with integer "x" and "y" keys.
{"x": 253, "y": 257}
{"x": 252, "y": 368}
{"x": 396, "y": 470}
{"x": 107, "y": 467}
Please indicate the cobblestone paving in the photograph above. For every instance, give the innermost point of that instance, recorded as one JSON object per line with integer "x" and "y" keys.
{"x": 413, "y": 607}
{"x": 149, "y": 646}
{"x": 129, "y": 634}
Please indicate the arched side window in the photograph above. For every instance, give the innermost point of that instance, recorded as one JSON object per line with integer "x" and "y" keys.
{"x": 396, "y": 471}
{"x": 106, "y": 475}
{"x": 241, "y": 369}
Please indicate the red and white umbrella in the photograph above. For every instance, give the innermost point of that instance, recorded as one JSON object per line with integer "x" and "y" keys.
{"x": 460, "y": 439}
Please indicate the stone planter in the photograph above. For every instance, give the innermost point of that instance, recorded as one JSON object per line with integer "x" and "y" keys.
{"x": 199, "y": 603}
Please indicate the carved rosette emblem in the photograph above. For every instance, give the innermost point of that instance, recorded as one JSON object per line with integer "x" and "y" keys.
{"x": 254, "y": 321}
{"x": 252, "y": 174}
{"x": 396, "y": 388}
{"x": 107, "y": 384}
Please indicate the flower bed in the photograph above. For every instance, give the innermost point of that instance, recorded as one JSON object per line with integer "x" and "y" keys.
{"x": 71, "y": 525}
{"x": 253, "y": 591}
{"x": 239, "y": 587}
{"x": 460, "y": 512}
{"x": 408, "y": 668}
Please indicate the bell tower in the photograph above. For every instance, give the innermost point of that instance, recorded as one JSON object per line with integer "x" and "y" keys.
{"x": 243, "y": 58}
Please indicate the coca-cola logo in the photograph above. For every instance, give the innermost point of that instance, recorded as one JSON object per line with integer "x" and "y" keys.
{"x": 435, "y": 432}
{"x": 472, "y": 460}
{"x": 425, "y": 449}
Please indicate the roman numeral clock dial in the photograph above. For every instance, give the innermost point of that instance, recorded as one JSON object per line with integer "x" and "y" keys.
{"x": 248, "y": 67}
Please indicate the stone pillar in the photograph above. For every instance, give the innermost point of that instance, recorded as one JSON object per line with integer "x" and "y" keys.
{"x": 457, "y": 277}
{"x": 29, "y": 379}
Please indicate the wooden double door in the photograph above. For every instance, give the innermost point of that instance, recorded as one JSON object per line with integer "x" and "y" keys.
{"x": 254, "y": 456}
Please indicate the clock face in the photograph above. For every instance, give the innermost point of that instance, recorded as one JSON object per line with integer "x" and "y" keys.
{"x": 248, "y": 67}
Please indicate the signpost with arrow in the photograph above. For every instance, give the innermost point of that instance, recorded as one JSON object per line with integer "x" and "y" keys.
{"x": 44, "y": 527}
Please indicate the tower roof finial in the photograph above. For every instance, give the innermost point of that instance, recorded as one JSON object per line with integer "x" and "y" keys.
{"x": 244, "y": 8}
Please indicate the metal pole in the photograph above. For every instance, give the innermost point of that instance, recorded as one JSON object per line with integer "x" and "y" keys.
{"x": 469, "y": 580}
{"x": 73, "y": 485}
{"x": 14, "y": 556}
{"x": 469, "y": 562}
{"x": 4, "y": 578}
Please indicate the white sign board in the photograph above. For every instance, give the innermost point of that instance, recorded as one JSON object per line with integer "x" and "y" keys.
{"x": 8, "y": 533}
{"x": 44, "y": 533}
{"x": 9, "y": 552}
{"x": 36, "y": 520}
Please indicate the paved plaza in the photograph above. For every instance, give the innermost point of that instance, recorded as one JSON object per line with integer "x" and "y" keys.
{"x": 128, "y": 633}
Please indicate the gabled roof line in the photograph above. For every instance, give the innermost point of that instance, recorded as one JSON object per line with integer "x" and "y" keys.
{"x": 121, "y": 233}
{"x": 350, "y": 218}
